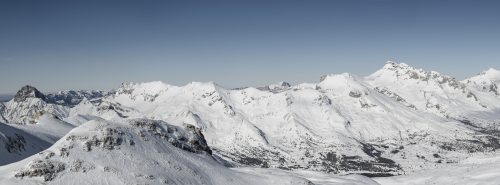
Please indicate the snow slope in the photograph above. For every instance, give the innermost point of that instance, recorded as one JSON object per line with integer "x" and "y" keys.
{"x": 473, "y": 171}
{"x": 21, "y": 141}
{"x": 137, "y": 151}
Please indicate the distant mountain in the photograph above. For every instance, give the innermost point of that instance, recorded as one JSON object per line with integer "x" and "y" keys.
{"x": 28, "y": 105}
{"x": 72, "y": 98}
{"x": 443, "y": 95}
{"x": 486, "y": 81}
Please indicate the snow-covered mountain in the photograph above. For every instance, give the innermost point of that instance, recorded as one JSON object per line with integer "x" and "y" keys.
{"x": 397, "y": 120}
{"x": 30, "y": 123}
{"x": 432, "y": 92}
{"x": 136, "y": 151}
{"x": 28, "y": 105}
{"x": 486, "y": 81}
{"x": 375, "y": 125}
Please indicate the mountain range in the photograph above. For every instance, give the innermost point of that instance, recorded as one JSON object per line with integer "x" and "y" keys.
{"x": 398, "y": 120}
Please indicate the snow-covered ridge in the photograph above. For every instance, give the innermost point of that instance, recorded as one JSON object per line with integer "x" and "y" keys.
{"x": 395, "y": 121}
{"x": 436, "y": 93}
{"x": 130, "y": 152}
{"x": 29, "y": 104}
{"x": 486, "y": 81}
{"x": 71, "y": 98}
{"x": 297, "y": 126}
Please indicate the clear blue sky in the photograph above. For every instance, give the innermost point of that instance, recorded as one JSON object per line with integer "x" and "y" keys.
{"x": 57, "y": 45}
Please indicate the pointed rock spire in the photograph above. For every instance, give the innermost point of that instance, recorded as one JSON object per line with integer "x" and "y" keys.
{"x": 28, "y": 92}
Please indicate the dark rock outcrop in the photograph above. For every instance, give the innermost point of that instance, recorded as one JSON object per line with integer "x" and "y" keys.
{"x": 28, "y": 92}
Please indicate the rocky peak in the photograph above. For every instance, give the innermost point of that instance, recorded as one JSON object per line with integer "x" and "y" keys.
{"x": 393, "y": 71}
{"x": 277, "y": 87}
{"x": 395, "y": 65}
{"x": 28, "y": 92}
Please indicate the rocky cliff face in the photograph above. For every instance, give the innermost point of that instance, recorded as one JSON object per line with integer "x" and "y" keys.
{"x": 28, "y": 105}
{"x": 28, "y": 92}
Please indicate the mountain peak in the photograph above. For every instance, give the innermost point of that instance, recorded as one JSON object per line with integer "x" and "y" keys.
{"x": 491, "y": 72}
{"x": 394, "y": 65}
{"x": 28, "y": 92}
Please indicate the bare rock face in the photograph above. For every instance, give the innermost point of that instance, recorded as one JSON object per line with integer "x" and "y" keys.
{"x": 190, "y": 138}
{"x": 28, "y": 106}
{"x": 28, "y": 92}
{"x": 109, "y": 140}
{"x": 15, "y": 144}
{"x": 42, "y": 168}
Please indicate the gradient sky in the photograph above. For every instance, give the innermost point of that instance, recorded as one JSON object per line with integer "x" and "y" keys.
{"x": 58, "y": 45}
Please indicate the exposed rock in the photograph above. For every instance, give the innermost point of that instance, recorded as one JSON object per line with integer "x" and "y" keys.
{"x": 72, "y": 98}
{"x": 193, "y": 141}
{"x": 108, "y": 139}
{"x": 42, "y": 168}
{"x": 81, "y": 166}
{"x": 355, "y": 94}
{"x": 28, "y": 92}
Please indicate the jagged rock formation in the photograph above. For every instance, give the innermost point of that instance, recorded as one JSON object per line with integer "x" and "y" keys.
{"x": 28, "y": 106}
{"x": 72, "y": 98}
{"x": 276, "y": 88}
{"x": 28, "y": 92}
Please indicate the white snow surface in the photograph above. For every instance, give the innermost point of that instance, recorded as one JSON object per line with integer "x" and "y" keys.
{"x": 479, "y": 170}
{"x": 26, "y": 140}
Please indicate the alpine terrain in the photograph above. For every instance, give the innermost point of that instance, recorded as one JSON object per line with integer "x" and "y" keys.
{"x": 398, "y": 125}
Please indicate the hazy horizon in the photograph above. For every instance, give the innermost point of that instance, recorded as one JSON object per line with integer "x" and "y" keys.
{"x": 60, "y": 45}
